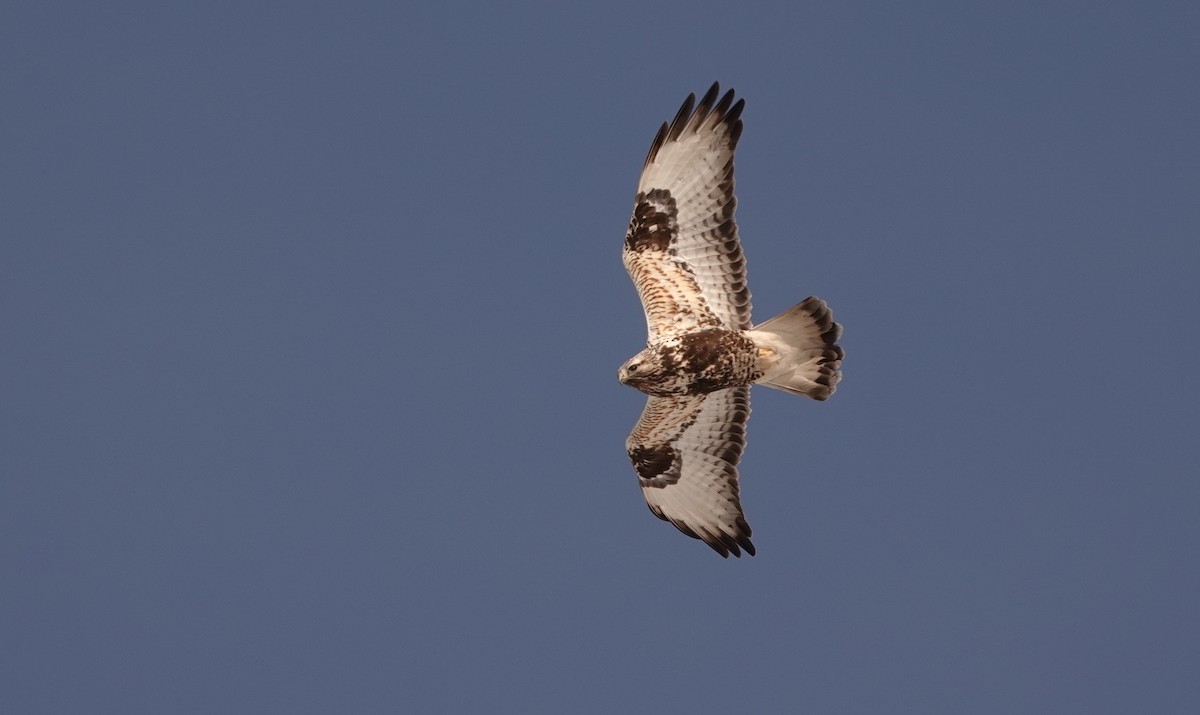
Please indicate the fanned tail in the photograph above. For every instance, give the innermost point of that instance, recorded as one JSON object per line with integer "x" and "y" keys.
{"x": 798, "y": 350}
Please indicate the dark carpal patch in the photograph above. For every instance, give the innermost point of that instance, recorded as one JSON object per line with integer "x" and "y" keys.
{"x": 654, "y": 223}
{"x": 654, "y": 463}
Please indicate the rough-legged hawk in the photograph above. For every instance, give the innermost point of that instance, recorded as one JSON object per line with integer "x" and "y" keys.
{"x": 703, "y": 353}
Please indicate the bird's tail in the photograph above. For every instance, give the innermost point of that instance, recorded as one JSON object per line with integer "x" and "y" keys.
{"x": 798, "y": 351}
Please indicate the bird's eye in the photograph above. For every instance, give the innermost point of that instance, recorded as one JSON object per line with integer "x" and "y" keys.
{"x": 633, "y": 367}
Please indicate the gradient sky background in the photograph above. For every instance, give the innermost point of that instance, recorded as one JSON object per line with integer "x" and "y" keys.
{"x": 311, "y": 314}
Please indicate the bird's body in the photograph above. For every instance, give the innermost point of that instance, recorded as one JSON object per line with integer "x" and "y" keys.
{"x": 702, "y": 352}
{"x": 693, "y": 363}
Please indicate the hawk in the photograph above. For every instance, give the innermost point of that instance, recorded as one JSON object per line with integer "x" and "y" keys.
{"x": 702, "y": 352}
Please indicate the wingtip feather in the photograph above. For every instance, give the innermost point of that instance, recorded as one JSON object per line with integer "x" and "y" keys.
{"x": 682, "y": 116}
{"x": 692, "y": 116}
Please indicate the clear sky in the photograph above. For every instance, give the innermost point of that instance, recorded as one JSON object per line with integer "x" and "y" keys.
{"x": 311, "y": 314}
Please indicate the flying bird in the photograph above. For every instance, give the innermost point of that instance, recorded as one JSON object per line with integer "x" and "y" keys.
{"x": 702, "y": 352}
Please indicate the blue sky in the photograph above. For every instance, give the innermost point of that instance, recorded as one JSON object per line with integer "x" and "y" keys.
{"x": 312, "y": 312}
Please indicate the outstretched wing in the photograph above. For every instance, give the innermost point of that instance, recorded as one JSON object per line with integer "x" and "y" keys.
{"x": 681, "y": 249}
{"x": 685, "y": 450}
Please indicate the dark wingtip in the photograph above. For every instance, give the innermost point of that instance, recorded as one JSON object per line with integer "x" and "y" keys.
{"x": 659, "y": 140}
{"x": 743, "y": 536}
{"x": 681, "y": 117}
{"x": 734, "y": 120}
{"x": 706, "y": 103}
{"x": 692, "y": 114}
{"x": 726, "y": 544}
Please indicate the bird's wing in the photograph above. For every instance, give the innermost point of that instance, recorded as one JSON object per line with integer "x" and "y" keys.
{"x": 685, "y": 450}
{"x": 681, "y": 249}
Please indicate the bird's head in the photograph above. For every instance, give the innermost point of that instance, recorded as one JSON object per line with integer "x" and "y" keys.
{"x": 642, "y": 370}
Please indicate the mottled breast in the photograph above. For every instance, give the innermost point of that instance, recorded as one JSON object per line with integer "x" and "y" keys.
{"x": 704, "y": 361}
